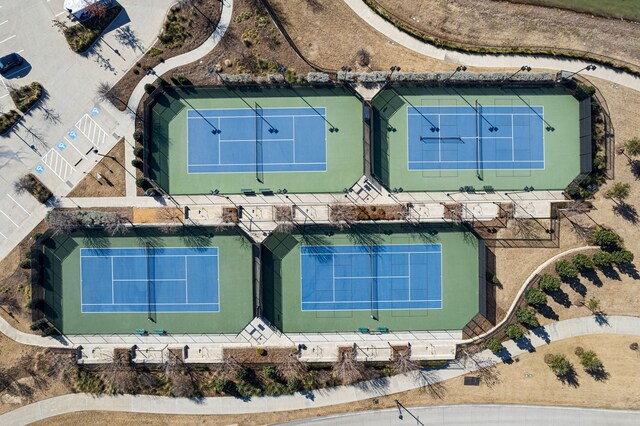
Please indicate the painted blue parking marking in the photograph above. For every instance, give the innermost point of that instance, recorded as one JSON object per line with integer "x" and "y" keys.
{"x": 39, "y": 169}
{"x": 72, "y": 134}
{"x": 95, "y": 111}
{"x": 62, "y": 146}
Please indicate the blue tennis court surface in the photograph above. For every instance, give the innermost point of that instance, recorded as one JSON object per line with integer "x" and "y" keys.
{"x": 482, "y": 137}
{"x": 154, "y": 279}
{"x": 257, "y": 140}
{"x": 383, "y": 277}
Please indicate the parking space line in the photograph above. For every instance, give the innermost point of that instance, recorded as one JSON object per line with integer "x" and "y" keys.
{"x": 9, "y": 38}
{"x": 19, "y": 205}
{"x": 2, "y": 23}
{"x": 61, "y": 13}
{"x": 4, "y": 236}
{"x": 54, "y": 160}
{"x": 91, "y": 130}
{"x": 7, "y": 216}
{"x": 74, "y": 147}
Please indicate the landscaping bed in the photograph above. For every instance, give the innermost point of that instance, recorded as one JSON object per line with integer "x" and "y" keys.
{"x": 26, "y": 96}
{"x": 184, "y": 29}
{"x": 81, "y": 36}
{"x": 33, "y": 186}
{"x": 112, "y": 170}
{"x": 8, "y": 120}
{"x": 348, "y": 212}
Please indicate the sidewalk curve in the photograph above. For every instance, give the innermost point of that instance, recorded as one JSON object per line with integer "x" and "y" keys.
{"x": 319, "y": 398}
{"x": 485, "y": 60}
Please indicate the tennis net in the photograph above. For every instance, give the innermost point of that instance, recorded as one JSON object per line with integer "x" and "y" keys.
{"x": 259, "y": 154}
{"x": 478, "y": 139}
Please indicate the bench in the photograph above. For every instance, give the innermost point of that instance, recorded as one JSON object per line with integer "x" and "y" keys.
{"x": 160, "y": 331}
{"x": 383, "y": 329}
{"x": 140, "y": 331}
{"x": 248, "y": 191}
{"x": 266, "y": 191}
{"x": 363, "y": 330}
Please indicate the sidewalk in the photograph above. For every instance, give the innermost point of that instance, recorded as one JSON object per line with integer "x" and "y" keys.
{"x": 486, "y": 61}
{"x": 319, "y": 398}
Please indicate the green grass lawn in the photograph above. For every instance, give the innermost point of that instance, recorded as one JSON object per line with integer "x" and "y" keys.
{"x": 627, "y": 9}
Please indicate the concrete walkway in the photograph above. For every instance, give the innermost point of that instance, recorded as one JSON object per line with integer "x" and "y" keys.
{"x": 491, "y": 414}
{"x": 482, "y": 60}
{"x": 321, "y": 398}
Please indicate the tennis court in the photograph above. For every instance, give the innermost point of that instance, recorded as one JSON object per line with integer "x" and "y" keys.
{"x": 361, "y": 277}
{"x": 475, "y": 137}
{"x": 257, "y": 139}
{"x": 149, "y": 280}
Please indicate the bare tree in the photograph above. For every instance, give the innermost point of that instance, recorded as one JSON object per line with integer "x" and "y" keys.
{"x": 24, "y": 184}
{"x": 97, "y": 9}
{"x": 525, "y": 227}
{"x": 229, "y": 367}
{"x": 453, "y": 212}
{"x": 283, "y": 216}
{"x": 120, "y": 373}
{"x": 347, "y": 368}
{"x": 182, "y": 383}
{"x": 60, "y": 25}
{"x": 63, "y": 221}
{"x": 576, "y": 207}
{"x": 105, "y": 92}
{"x": 342, "y": 216}
{"x": 402, "y": 362}
{"x": 56, "y": 365}
{"x": 363, "y": 57}
{"x": 115, "y": 223}
{"x": 485, "y": 368}
{"x": 291, "y": 366}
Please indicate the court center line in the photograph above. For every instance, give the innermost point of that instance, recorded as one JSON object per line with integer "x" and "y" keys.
{"x": 112, "y": 286}
{"x": 186, "y": 282}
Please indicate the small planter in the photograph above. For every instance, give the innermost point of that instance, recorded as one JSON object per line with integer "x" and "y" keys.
{"x": 229, "y": 215}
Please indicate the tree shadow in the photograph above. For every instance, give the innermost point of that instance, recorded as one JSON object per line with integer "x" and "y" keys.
{"x": 524, "y": 344}
{"x": 560, "y": 297}
{"x": 601, "y": 319}
{"x": 577, "y": 286}
{"x": 548, "y": 312}
{"x": 378, "y": 385}
{"x": 593, "y": 277}
{"x": 570, "y": 378}
{"x": 127, "y": 37}
{"x": 541, "y": 332}
{"x": 627, "y": 212}
{"x": 635, "y": 168}
{"x": 610, "y": 273}
{"x": 600, "y": 374}
{"x": 429, "y": 381}
{"x": 49, "y": 114}
{"x": 505, "y": 355}
{"x": 629, "y": 269}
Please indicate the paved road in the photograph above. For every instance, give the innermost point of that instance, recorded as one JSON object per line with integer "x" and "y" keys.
{"x": 494, "y": 415}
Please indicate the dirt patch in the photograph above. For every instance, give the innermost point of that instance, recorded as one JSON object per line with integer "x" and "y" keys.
{"x": 198, "y": 21}
{"x": 258, "y": 355}
{"x": 528, "y": 381}
{"x": 15, "y": 287}
{"x": 158, "y": 215}
{"x": 488, "y": 23}
{"x": 113, "y": 174}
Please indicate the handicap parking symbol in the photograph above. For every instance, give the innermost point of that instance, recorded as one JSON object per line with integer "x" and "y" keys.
{"x": 39, "y": 169}
{"x": 95, "y": 111}
{"x": 72, "y": 134}
{"x": 62, "y": 146}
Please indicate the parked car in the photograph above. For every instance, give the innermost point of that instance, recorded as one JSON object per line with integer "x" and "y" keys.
{"x": 10, "y": 61}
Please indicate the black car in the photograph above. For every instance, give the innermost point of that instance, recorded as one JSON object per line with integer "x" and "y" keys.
{"x": 10, "y": 61}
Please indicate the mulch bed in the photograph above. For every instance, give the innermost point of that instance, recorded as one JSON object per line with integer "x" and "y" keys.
{"x": 250, "y": 355}
{"x": 112, "y": 169}
{"x": 199, "y": 21}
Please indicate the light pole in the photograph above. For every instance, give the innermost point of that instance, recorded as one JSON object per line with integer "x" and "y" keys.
{"x": 522, "y": 68}
{"x": 345, "y": 69}
{"x": 392, "y": 69}
{"x": 587, "y": 68}
{"x": 458, "y": 69}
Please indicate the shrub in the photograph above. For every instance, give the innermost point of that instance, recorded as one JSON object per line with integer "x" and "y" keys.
{"x": 221, "y": 385}
{"x": 154, "y": 52}
{"x": 143, "y": 183}
{"x": 549, "y": 283}
{"x": 535, "y": 297}
{"x": 559, "y": 364}
{"x": 363, "y": 57}
{"x": 81, "y": 36}
{"x": 294, "y": 384}
{"x": 137, "y": 136}
{"x": 149, "y": 88}
{"x": 32, "y": 185}
{"x": 566, "y": 269}
{"x": 593, "y": 305}
{"x": 138, "y": 151}
{"x": 275, "y": 389}
{"x": 602, "y": 259}
{"x": 514, "y": 331}
{"x": 243, "y": 373}
{"x": 37, "y": 236}
{"x": 270, "y": 372}
{"x": 8, "y": 120}
{"x": 632, "y": 147}
{"x": 137, "y": 163}
{"x": 494, "y": 345}
{"x": 590, "y": 362}
{"x": 25, "y": 264}
{"x": 261, "y": 351}
{"x": 578, "y": 351}
{"x": 582, "y": 262}
{"x": 634, "y": 346}
{"x": 26, "y": 96}
{"x": 622, "y": 257}
{"x": 527, "y": 317}
{"x": 619, "y": 191}
{"x": 606, "y": 239}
